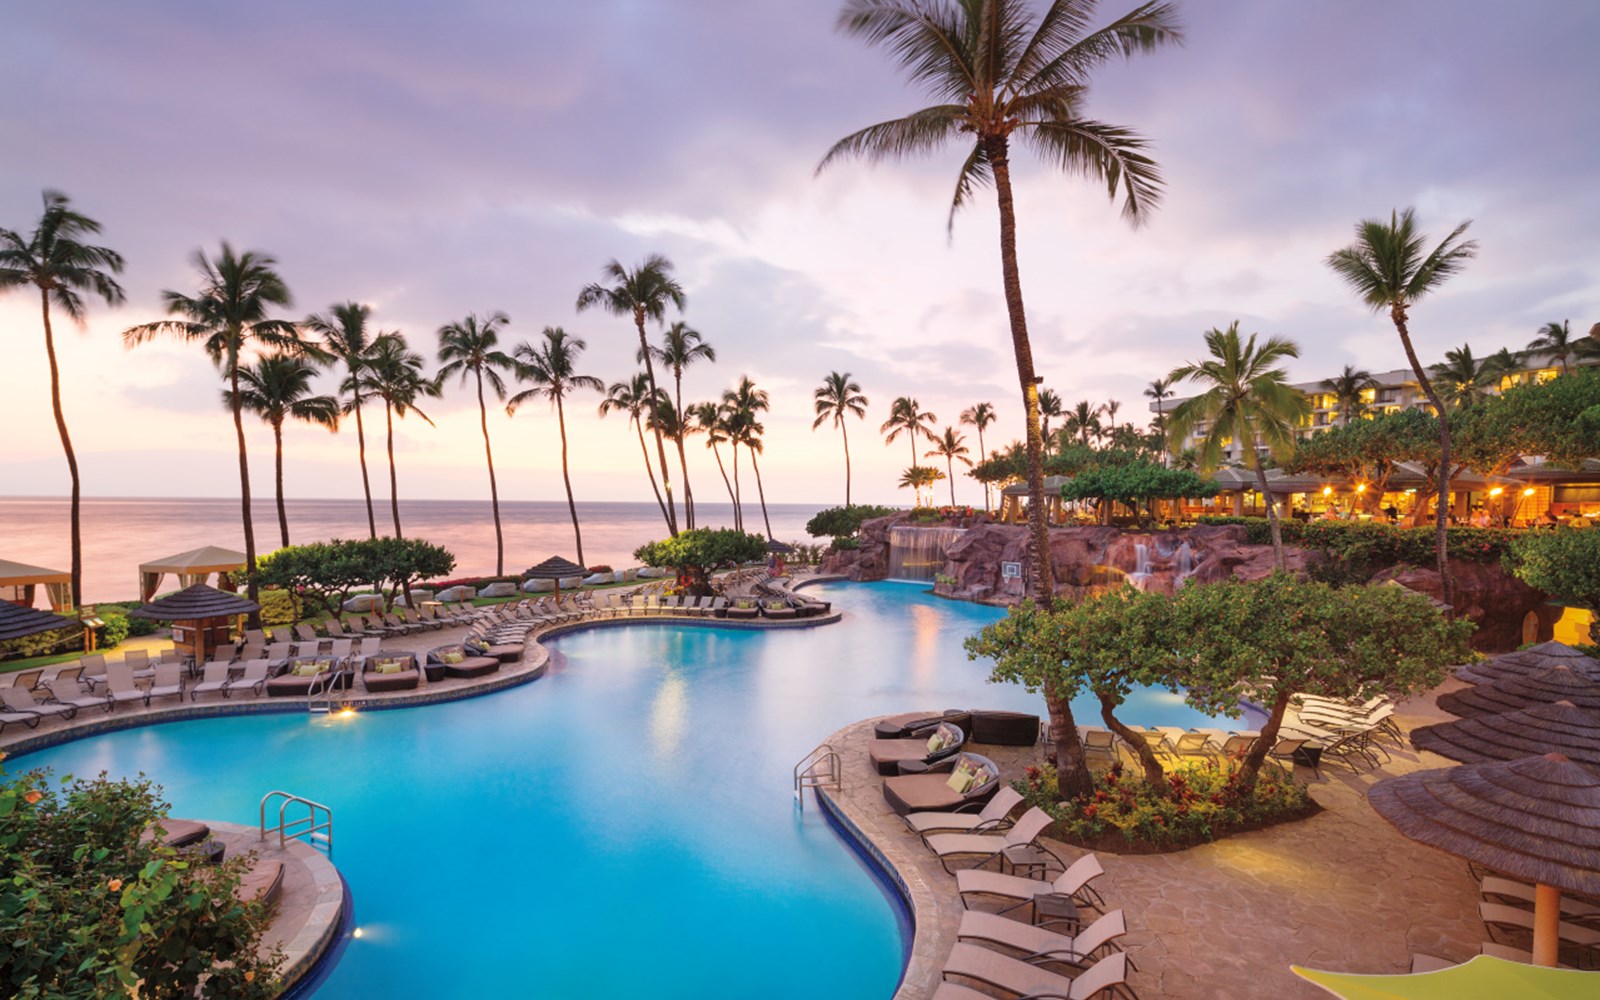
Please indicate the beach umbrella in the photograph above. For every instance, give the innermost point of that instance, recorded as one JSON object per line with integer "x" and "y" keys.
{"x": 1540, "y": 729}
{"x": 1482, "y": 978}
{"x": 17, "y": 621}
{"x": 201, "y": 610}
{"x": 1542, "y": 687}
{"x": 556, "y": 568}
{"x": 1535, "y": 819}
{"x": 1529, "y": 661}
{"x": 778, "y": 548}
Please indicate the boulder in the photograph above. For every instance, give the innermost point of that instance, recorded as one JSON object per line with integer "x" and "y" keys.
{"x": 1496, "y": 601}
{"x": 538, "y": 586}
{"x": 462, "y": 593}
{"x": 502, "y": 589}
{"x": 418, "y": 595}
{"x": 629, "y": 575}
{"x": 596, "y": 579}
{"x": 364, "y": 603}
{"x": 653, "y": 572}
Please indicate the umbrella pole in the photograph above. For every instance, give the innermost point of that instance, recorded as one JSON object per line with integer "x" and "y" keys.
{"x": 1546, "y": 924}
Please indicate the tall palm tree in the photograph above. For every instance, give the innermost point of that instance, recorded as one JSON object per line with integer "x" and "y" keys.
{"x": 633, "y": 398}
{"x": 394, "y": 374}
{"x": 56, "y": 261}
{"x": 1247, "y": 399}
{"x": 919, "y": 478}
{"x": 1084, "y": 420}
{"x": 952, "y": 447}
{"x": 1110, "y": 410}
{"x": 837, "y": 397}
{"x": 551, "y": 367}
{"x": 1555, "y": 339}
{"x": 681, "y": 346}
{"x": 1050, "y": 408}
{"x": 712, "y": 421}
{"x": 1160, "y": 390}
{"x": 1346, "y": 389}
{"x": 1464, "y": 380}
{"x": 229, "y": 319}
{"x": 278, "y": 388}
{"x": 344, "y": 336}
{"x": 980, "y": 415}
{"x": 743, "y": 405}
{"x": 906, "y": 417}
{"x": 642, "y": 293}
{"x": 1389, "y": 269}
{"x": 472, "y": 347}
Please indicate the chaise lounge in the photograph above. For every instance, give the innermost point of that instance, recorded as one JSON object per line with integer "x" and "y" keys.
{"x": 300, "y": 678}
{"x": 390, "y": 672}
{"x": 934, "y": 791}
{"x": 923, "y": 747}
{"x": 459, "y": 661}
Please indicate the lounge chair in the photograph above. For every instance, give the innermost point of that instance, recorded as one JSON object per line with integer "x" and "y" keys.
{"x": 1039, "y": 943}
{"x": 255, "y": 677}
{"x": 254, "y": 637}
{"x": 11, "y": 718}
{"x": 168, "y": 683}
{"x": 925, "y": 746}
{"x": 26, "y": 680}
{"x": 18, "y": 699}
{"x": 341, "y": 650}
{"x": 120, "y": 686}
{"x": 736, "y": 611}
{"x": 775, "y": 609}
{"x": 1495, "y": 889}
{"x": 989, "y": 847}
{"x": 931, "y": 792}
{"x": 92, "y": 669}
{"x": 391, "y": 672}
{"x": 307, "y": 633}
{"x": 1019, "y": 891}
{"x": 1020, "y": 979}
{"x": 305, "y": 676}
{"x": 399, "y": 624}
{"x": 411, "y": 617}
{"x": 1297, "y": 750}
{"x": 279, "y": 653}
{"x": 459, "y": 661}
{"x": 992, "y": 817}
{"x": 1101, "y": 742}
{"x": 63, "y": 674}
{"x": 1574, "y": 939}
{"x": 899, "y": 727}
{"x": 67, "y": 692}
{"x": 214, "y": 678}
{"x": 138, "y": 661}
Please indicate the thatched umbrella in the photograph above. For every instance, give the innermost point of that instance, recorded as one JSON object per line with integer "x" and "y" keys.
{"x": 1542, "y": 687}
{"x": 1537, "y": 819}
{"x": 1541, "y": 729}
{"x": 556, "y": 568}
{"x": 199, "y": 615}
{"x": 1528, "y": 661}
{"x": 779, "y": 548}
{"x": 17, "y": 621}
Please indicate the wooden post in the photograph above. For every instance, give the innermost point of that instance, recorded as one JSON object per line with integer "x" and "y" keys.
{"x": 1546, "y": 924}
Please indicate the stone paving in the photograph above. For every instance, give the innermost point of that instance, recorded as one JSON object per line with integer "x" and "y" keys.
{"x": 306, "y": 916}
{"x": 1341, "y": 890}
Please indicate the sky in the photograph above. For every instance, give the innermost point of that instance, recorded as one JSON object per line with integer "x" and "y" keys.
{"x": 433, "y": 161}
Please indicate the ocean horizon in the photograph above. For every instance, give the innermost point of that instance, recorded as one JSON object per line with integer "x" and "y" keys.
{"x": 119, "y": 533}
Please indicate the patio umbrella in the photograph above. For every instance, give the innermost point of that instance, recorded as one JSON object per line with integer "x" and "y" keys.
{"x": 200, "y": 608}
{"x": 1542, "y": 687}
{"x": 556, "y": 568}
{"x": 17, "y": 621}
{"x": 1482, "y": 978}
{"x": 1536, "y": 818}
{"x": 1528, "y": 661}
{"x": 1559, "y": 728}
{"x": 778, "y": 548}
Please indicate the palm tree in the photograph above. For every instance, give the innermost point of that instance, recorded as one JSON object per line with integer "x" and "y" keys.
{"x": 836, "y": 398}
{"x": 1555, "y": 339}
{"x": 980, "y": 415}
{"x": 633, "y": 398}
{"x": 1049, "y": 409}
{"x": 1083, "y": 420}
{"x": 56, "y": 261}
{"x": 681, "y": 346}
{"x": 710, "y": 418}
{"x": 1346, "y": 389}
{"x": 918, "y": 478}
{"x": 1464, "y": 380}
{"x": 951, "y": 447}
{"x": 742, "y": 405}
{"x": 1387, "y": 267}
{"x": 278, "y": 388}
{"x": 394, "y": 374}
{"x": 551, "y": 368}
{"x": 642, "y": 293}
{"x": 471, "y": 347}
{"x": 343, "y": 333}
{"x": 229, "y": 318}
{"x": 1247, "y": 400}
{"x": 1160, "y": 390}
{"x": 907, "y": 417}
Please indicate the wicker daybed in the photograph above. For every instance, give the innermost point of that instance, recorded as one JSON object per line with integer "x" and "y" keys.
{"x": 931, "y": 792}
{"x": 470, "y": 664}
{"x": 378, "y": 675}
{"x": 929, "y": 745}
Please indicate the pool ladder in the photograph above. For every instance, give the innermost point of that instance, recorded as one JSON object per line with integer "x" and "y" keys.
{"x": 315, "y": 827}
{"x": 818, "y": 768}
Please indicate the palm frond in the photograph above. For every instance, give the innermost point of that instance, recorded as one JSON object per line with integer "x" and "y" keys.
{"x": 1107, "y": 153}
{"x": 930, "y": 40}
{"x": 918, "y": 133}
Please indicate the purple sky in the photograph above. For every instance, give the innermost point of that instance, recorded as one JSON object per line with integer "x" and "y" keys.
{"x": 436, "y": 161}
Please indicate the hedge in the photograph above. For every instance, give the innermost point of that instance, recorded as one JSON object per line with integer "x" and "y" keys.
{"x": 1379, "y": 544}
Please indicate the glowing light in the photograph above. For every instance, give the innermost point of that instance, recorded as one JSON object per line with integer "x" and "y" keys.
{"x": 1327, "y": 491}
{"x": 1361, "y": 488}
{"x": 356, "y": 932}
{"x": 346, "y": 713}
{"x": 1528, "y": 492}
{"x": 1497, "y": 491}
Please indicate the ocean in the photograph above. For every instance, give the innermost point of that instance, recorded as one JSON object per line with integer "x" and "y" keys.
{"x": 119, "y": 534}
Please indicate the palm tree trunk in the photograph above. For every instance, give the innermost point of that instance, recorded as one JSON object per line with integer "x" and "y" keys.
{"x": 251, "y": 591}
{"x": 366, "y": 484}
{"x": 66, "y": 446}
{"x": 494, "y": 493}
{"x": 1441, "y": 537}
{"x": 661, "y": 449}
{"x": 647, "y": 468}
{"x": 756, "y": 464}
{"x": 846, "y": 434}
{"x": 950, "y": 474}
{"x": 394, "y": 488}
{"x": 577, "y": 536}
{"x": 1071, "y": 767}
{"x": 683, "y": 460}
{"x": 732, "y": 498}
{"x": 1272, "y": 514}
{"x": 983, "y": 456}
{"x": 277, "y": 469}
{"x": 738, "y": 504}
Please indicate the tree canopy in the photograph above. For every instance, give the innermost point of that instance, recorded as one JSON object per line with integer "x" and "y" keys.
{"x": 1136, "y": 484}
{"x": 696, "y": 553}
{"x": 327, "y": 572}
{"x": 1564, "y": 563}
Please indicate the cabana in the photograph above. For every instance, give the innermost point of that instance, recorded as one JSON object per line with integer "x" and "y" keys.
{"x": 201, "y": 618}
{"x": 192, "y": 567}
{"x": 18, "y": 580}
{"x": 1014, "y": 500}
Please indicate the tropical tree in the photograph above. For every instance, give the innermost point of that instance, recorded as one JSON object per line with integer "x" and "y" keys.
{"x": 711, "y": 420}
{"x": 1464, "y": 380}
{"x": 1159, "y": 390}
{"x": 229, "y": 320}
{"x": 278, "y": 388}
{"x": 1083, "y": 420}
{"x": 551, "y": 367}
{"x": 633, "y": 398}
{"x": 1109, "y": 410}
{"x": 1247, "y": 399}
{"x": 1388, "y": 268}
{"x": 919, "y": 478}
{"x": 394, "y": 374}
{"x": 344, "y": 338}
{"x": 641, "y": 293}
{"x": 906, "y": 417}
{"x": 1555, "y": 339}
{"x": 1347, "y": 388}
{"x": 952, "y": 447}
{"x": 57, "y": 262}
{"x": 1050, "y": 408}
{"x": 681, "y": 346}
{"x": 980, "y": 415}
{"x": 837, "y": 397}
{"x": 743, "y": 405}
{"x": 472, "y": 347}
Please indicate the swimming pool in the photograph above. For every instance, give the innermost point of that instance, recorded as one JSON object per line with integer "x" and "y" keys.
{"x": 624, "y": 826}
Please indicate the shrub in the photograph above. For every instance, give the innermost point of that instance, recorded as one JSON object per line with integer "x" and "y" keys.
{"x": 844, "y": 522}
{"x": 602, "y": 568}
{"x": 1375, "y": 545}
{"x": 845, "y": 544}
{"x": 279, "y": 607}
{"x": 1564, "y": 563}
{"x": 65, "y": 640}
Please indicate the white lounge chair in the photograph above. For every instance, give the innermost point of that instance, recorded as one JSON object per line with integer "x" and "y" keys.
{"x": 1024, "y": 833}
{"x": 22, "y": 700}
{"x": 168, "y": 683}
{"x": 1019, "y": 891}
{"x": 120, "y": 686}
{"x": 254, "y": 677}
{"x": 1039, "y": 943}
{"x": 67, "y": 692}
{"x": 990, "y": 819}
{"x": 992, "y": 969}
{"x": 215, "y": 678}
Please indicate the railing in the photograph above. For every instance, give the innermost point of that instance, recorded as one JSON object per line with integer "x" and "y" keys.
{"x": 820, "y": 767}
{"x": 315, "y": 827}
{"x": 319, "y": 700}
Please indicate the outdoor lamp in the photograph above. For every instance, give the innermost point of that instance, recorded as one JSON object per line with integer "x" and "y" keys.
{"x": 1497, "y": 491}
{"x": 1361, "y": 487}
{"x": 1327, "y": 491}
{"x": 1528, "y": 492}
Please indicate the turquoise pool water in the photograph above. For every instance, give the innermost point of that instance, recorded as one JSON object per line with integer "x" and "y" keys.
{"x": 624, "y": 826}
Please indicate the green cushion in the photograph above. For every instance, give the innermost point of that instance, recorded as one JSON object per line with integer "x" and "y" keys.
{"x": 308, "y": 669}
{"x": 959, "y": 782}
{"x": 453, "y": 656}
{"x": 389, "y": 667}
{"x": 936, "y": 743}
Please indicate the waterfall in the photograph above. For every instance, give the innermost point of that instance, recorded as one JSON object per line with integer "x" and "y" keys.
{"x": 918, "y": 553}
{"x": 1183, "y": 565}
{"x": 1140, "y": 576}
